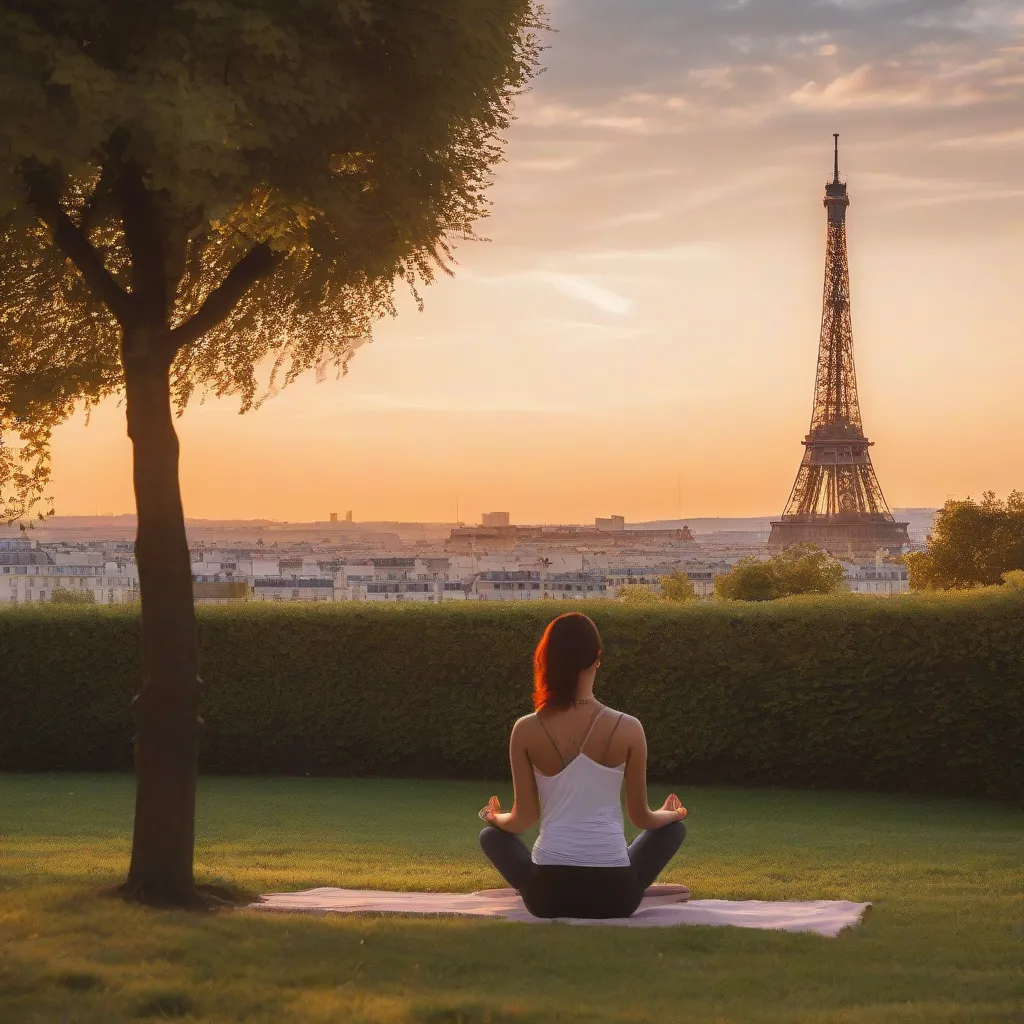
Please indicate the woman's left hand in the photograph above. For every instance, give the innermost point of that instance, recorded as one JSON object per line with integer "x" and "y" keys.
{"x": 493, "y": 808}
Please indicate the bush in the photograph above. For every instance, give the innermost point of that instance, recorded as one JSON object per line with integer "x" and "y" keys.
{"x": 917, "y": 693}
{"x": 676, "y": 588}
{"x": 637, "y": 595}
{"x": 64, "y": 596}
{"x": 800, "y": 569}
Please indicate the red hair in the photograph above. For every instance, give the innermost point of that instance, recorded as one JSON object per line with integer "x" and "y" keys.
{"x": 570, "y": 644}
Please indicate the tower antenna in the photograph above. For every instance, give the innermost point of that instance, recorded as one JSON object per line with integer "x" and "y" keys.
{"x": 835, "y": 179}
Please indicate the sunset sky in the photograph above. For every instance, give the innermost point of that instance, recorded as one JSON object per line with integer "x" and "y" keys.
{"x": 644, "y": 319}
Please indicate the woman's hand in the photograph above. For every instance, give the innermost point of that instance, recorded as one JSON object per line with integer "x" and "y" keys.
{"x": 672, "y": 804}
{"x": 491, "y": 811}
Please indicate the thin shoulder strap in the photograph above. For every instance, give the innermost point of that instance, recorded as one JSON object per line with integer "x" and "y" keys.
{"x": 593, "y": 722}
{"x": 550, "y": 737}
{"x": 608, "y": 744}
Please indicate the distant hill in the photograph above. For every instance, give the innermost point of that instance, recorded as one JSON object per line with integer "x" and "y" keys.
{"x": 920, "y": 520}
{"x": 122, "y": 527}
{"x": 761, "y": 524}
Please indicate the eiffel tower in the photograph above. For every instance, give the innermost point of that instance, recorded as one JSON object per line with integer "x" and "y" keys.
{"x": 836, "y": 502}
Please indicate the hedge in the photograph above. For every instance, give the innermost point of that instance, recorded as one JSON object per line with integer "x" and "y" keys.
{"x": 916, "y": 693}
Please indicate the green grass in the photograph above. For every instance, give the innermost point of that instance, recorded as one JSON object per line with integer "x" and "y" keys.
{"x": 942, "y": 943}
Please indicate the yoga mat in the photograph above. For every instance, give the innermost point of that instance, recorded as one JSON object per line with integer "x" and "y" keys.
{"x": 662, "y": 907}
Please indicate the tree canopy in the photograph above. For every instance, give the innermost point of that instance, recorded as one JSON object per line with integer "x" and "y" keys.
{"x": 801, "y": 569}
{"x": 161, "y": 159}
{"x": 973, "y": 543}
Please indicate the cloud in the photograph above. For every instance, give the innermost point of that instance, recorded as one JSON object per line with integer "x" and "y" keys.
{"x": 699, "y": 252}
{"x": 909, "y": 192}
{"x": 574, "y": 286}
{"x": 1012, "y": 137}
{"x": 871, "y": 88}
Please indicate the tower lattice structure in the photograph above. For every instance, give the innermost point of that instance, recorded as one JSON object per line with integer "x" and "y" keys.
{"x": 836, "y": 502}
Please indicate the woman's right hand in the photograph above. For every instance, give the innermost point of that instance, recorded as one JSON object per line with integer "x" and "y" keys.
{"x": 672, "y": 804}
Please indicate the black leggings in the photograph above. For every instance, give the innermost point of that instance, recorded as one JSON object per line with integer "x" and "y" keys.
{"x": 556, "y": 890}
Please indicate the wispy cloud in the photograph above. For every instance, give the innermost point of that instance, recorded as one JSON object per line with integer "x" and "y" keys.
{"x": 871, "y": 88}
{"x": 700, "y": 252}
{"x": 574, "y": 286}
{"x": 1011, "y": 138}
{"x": 908, "y": 192}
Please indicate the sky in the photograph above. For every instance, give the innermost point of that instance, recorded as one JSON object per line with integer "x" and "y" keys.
{"x": 638, "y": 335}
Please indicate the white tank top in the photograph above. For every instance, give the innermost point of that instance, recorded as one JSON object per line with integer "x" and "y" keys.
{"x": 581, "y": 814}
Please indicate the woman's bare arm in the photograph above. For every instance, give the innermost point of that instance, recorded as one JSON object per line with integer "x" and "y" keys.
{"x": 526, "y": 802}
{"x": 639, "y": 811}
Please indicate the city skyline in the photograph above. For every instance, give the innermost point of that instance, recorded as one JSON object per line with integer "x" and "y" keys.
{"x": 638, "y": 335}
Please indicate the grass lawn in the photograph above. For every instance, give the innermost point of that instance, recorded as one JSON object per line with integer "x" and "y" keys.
{"x": 943, "y": 942}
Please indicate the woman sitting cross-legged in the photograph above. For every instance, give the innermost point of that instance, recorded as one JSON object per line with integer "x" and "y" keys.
{"x": 568, "y": 762}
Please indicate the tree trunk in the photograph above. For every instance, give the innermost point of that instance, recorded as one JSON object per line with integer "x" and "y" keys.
{"x": 167, "y": 708}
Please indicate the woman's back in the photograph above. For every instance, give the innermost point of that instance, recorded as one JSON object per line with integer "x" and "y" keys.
{"x": 581, "y": 807}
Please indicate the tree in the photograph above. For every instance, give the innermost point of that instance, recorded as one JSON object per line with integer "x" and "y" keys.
{"x": 194, "y": 191}
{"x": 973, "y": 543}
{"x": 801, "y": 569}
{"x": 676, "y": 587}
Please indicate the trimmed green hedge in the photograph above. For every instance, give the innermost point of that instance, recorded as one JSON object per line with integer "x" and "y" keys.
{"x": 913, "y": 693}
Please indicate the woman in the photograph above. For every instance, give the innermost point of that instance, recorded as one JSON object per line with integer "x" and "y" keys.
{"x": 568, "y": 762}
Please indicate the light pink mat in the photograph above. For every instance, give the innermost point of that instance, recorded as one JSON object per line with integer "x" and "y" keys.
{"x": 663, "y": 907}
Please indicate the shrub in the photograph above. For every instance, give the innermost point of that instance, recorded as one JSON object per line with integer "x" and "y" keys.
{"x": 676, "y": 588}
{"x": 64, "y": 596}
{"x": 637, "y": 595}
{"x": 919, "y": 693}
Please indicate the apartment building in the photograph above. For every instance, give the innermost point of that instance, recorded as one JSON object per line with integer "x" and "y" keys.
{"x": 502, "y": 585}
{"x": 882, "y": 578}
{"x": 702, "y": 580}
{"x": 399, "y": 579}
{"x": 295, "y": 588}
